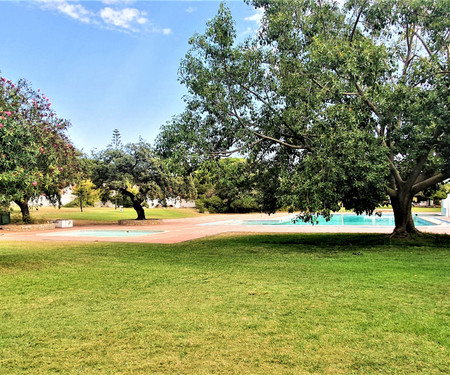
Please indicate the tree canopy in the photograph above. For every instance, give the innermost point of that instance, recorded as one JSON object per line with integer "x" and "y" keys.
{"x": 226, "y": 185}
{"x": 135, "y": 172}
{"x": 36, "y": 156}
{"x": 341, "y": 104}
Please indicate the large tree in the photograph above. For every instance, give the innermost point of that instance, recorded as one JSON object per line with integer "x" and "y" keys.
{"x": 36, "y": 156}
{"x": 135, "y": 172}
{"x": 342, "y": 104}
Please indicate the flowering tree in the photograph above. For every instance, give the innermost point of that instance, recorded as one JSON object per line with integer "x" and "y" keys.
{"x": 36, "y": 157}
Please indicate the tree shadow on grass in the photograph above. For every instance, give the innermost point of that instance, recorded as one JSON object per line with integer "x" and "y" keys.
{"x": 332, "y": 242}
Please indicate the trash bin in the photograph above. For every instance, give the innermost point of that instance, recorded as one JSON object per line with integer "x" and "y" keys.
{"x": 5, "y": 218}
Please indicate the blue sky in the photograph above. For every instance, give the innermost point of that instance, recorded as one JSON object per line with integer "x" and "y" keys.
{"x": 107, "y": 64}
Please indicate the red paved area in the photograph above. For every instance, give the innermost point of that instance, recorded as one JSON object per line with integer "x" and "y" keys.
{"x": 179, "y": 230}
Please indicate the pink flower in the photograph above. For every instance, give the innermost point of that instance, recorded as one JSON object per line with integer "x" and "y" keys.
{"x": 34, "y": 183}
{"x": 1, "y": 125}
{"x": 8, "y": 113}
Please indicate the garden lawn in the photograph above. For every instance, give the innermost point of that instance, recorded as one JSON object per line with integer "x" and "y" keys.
{"x": 265, "y": 304}
{"x": 103, "y": 214}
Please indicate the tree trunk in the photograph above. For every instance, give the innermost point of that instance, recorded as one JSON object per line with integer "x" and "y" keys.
{"x": 25, "y": 210}
{"x": 136, "y": 204}
{"x": 404, "y": 223}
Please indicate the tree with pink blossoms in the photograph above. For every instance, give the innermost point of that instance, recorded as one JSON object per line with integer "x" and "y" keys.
{"x": 36, "y": 156}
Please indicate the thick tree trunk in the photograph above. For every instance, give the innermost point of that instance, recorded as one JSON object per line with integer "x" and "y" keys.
{"x": 404, "y": 223}
{"x": 136, "y": 204}
{"x": 25, "y": 210}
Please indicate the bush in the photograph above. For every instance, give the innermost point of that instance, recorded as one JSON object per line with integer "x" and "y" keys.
{"x": 244, "y": 205}
{"x": 216, "y": 205}
{"x": 200, "y": 205}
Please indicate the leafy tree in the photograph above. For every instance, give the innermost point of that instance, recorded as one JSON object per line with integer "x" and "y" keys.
{"x": 134, "y": 172}
{"x": 36, "y": 157}
{"x": 341, "y": 104}
{"x": 226, "y": 186}
{"x": 86, "y": 193}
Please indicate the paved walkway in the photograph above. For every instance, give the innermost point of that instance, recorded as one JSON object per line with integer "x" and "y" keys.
{"x": 179, "y": 230}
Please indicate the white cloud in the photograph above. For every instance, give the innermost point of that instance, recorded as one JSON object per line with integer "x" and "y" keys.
{"x": 247, "y": 31}
{"x": 191, "y": 10}
{"x": 76, "y": 11}
{"x": 115, "y": 16}
{"x": 165, "y": 31}
{"x": 124, "y": 18}
{"x": 257, "y": 17}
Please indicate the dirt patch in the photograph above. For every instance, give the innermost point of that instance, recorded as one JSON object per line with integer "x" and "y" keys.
{"x": 27, "y": 227}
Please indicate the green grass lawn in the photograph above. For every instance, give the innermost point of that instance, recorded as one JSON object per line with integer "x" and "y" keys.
{"x": 102, "y": 214}
{"x": 265, "y": 304}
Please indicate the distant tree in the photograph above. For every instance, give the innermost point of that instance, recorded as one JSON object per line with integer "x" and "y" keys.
{"x": 135, "y": 172}
{"x": 342, "y": 104}
{"x": 86, "y": 193}
{"x": 226, "y": 185}
{"x": 116, "y": 141}
{"x": 36, "y": 156}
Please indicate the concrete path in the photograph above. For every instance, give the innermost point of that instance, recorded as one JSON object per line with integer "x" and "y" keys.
{"x": 179, "y": 230}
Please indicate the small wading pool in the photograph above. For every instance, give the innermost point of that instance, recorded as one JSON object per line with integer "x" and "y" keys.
{"x": 337, "y": 219}
{"x": 102, "y": 233}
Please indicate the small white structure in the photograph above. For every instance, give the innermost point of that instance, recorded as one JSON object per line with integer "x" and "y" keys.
{"x": 445, "y": 206}
{"x": 63, "y": 223}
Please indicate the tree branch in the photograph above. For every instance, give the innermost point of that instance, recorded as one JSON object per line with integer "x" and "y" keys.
{"x": 395, "y": 173}
{"x": 368, "y": 102}
{"x": 424, "y": 44}
{"x": 416, "y": 170}
{"x": 297, "y": 147}
{"x": 392, "y": 192}
{"x": 429, "y": 182}
{"x": 230, "y": 152}
{"x": 355, "y": 24}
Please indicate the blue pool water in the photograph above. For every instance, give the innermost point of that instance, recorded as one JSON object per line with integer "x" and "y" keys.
{"x": 338, "y": 219}
{"x": 103, "y": 233}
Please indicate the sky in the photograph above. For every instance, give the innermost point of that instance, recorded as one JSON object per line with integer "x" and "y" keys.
{"x": 108, "y": 64}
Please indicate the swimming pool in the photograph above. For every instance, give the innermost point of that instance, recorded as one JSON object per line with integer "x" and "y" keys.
{"x": 337, "y": 219}
{"x": 102, "y": 233}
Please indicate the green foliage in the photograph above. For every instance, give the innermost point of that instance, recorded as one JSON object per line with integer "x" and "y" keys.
{"x": 340, "y": 105}
{"x": 435, "y": 193}
{"x": 135, "y": 174}
{"x": 36, "y": 157}
{"x": 226, "y": 186}
{"x": 86, "y": 193}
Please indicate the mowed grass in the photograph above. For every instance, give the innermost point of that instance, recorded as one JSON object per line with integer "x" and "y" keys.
{"x": 263, "y": 304}
{"x": 102, "y": 214}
